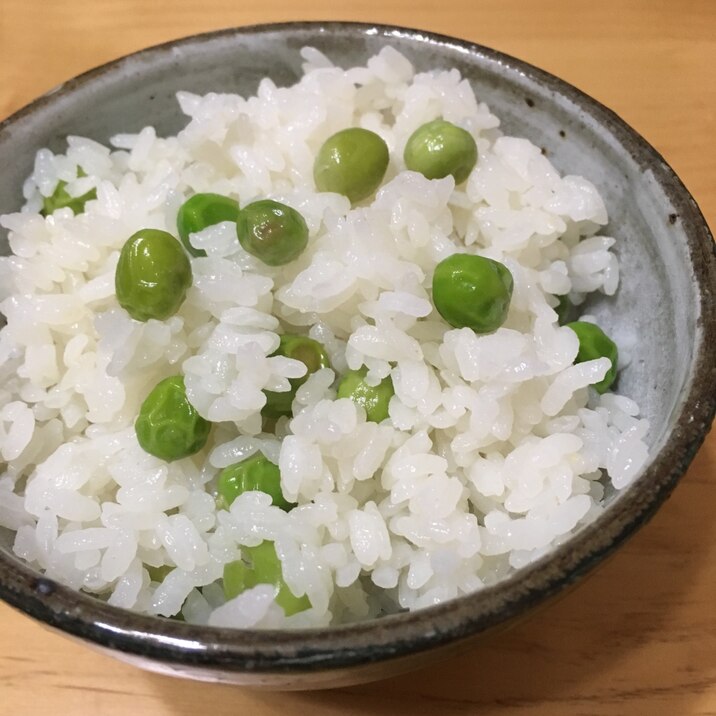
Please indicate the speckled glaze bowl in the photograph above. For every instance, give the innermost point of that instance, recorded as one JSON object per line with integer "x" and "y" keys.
{"x": 667, "y": 298}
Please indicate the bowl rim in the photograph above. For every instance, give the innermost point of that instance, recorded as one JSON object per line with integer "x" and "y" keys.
{"x": 339, "y": 647}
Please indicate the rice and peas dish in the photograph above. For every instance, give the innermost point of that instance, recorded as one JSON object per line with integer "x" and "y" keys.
{"x": 341, "y": 388}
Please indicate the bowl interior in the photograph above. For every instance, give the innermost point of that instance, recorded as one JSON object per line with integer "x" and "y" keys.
{"x": 653, "y": 316}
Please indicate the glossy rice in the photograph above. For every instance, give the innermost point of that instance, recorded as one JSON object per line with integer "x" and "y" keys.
{"x": 495, "y": 451}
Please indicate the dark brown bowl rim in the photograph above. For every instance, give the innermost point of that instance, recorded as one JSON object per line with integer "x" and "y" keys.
{"x": 275, "y": 651}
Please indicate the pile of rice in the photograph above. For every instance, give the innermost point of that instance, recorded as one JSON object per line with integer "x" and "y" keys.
{"x": 495, "y": 450}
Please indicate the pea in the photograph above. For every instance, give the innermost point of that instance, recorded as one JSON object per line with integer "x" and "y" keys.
{"x": 374, "y": 398}
{"x": 203, "y": 210}
{"x": 439, "y": 148}
{"x": 253, "y": 473}
{"x": 153, "y": 275}
{"x": 563, "y": 308}
{"x": 262, "y": 566}
{"x": 594, "y": 343}
{"x": 159, "y": 574}
{"x": 312, "y": 354}
{"x": 168, "y": 425}
{"x": 272, "y": 232}
{"x": 59, "y": 199}
{"x": 472, "y": 291}
{"x": 352, "y": 162}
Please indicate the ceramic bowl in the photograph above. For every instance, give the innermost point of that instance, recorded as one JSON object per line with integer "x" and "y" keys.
{"x": 666, "y": 297}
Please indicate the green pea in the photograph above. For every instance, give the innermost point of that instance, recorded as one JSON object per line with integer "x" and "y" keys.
{"x": 152, "y": 276}
{"x": 594, "y": 343}
{"x": 374, "y": 398}
{"x": 200, "y": 211}
{"x": 59, "y": 199}
{"x": 312, "y": 354}
{"x": 352, "y": 162}
{"x": 253, "y": 473}
{"x": 168, "y": 425}
{"x": 159, "y": 574}
{"x": 262, "y": 566}
{"x": 439, "y": 148}
{"x": 563, "y": 308}
{"x": 272, "y": 232}
{"x": 472, "y": 291}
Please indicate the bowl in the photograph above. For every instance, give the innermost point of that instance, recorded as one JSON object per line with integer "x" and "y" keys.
{"x": 666, "y": 250}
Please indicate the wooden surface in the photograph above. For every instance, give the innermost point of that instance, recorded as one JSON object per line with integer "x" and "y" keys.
{"x": 637, "y": 638}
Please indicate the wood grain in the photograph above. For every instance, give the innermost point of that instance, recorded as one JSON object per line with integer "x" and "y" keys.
{"x": 640, "y": 636}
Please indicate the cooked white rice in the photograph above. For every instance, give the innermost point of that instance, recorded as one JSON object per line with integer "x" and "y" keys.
{"x": 495, "y": 450}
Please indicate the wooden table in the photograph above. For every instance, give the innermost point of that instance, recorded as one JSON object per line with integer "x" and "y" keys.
{"x": 637, "y": 638}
